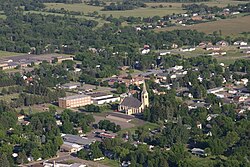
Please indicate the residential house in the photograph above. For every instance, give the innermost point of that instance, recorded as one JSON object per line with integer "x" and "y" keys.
{"x": 214, "y": 48}
{"x": 215, "y": 90}
{"x": 70, "y": 147}
{"x": 222, "y": 43}
{"x": 240, "y": 43}
{"x": 239, "y": 99}
{"x": 244, "y": 47}
{"x": 198, "y": 151}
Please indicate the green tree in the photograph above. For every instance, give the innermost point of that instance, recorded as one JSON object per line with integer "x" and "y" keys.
{"x": 35, "y": 153}
{"x": 4, "y": 161}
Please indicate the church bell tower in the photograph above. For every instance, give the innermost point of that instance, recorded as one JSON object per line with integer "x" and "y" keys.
{"x": 144, "y": 96}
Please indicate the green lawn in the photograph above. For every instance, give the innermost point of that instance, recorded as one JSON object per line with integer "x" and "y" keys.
{"x": 147, "y": 125}
{"x": 5, "y": 54}
{"x": 109, "y": 162}
{"x": 2, "y": 16}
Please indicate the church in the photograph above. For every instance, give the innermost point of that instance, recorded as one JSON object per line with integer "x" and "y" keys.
{"x": 131, "y": 105}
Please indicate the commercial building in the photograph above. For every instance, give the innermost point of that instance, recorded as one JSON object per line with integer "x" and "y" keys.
{"x": 70, "y": 147}
{"x": 29, "y": 59}
{"x": 77, "y": 140}
{"x": 74, "y": 101}
{"x": 72, "y": 85}
{"x": 103, "y": 98}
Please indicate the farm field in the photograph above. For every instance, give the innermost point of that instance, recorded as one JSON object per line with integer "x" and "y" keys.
{"x": 168, "y": 8}
{"x": 233, "y": 26}
{"x": 219, "y": 3}
{"x": 232, "y": 55}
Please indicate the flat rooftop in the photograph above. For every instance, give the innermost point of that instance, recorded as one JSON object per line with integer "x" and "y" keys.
{"x": 97, "y": 94}
{"x": 72, "y": 84}
{"x": 74, "y": 97}
{"x": 77, "y": 139}
{"x": 32, "y": 57}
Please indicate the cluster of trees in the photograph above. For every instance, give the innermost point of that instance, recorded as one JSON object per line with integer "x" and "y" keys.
{"x": 240, "y": 66}
{"x": 92, "y": 108}
{"x": 180, "y": 1}
{"x": 11, "y": 90}
{"x": 98, "y": 65}
{"x": 125, "y": 5}
{"x": 109, "y": 126}
{"x": 40, "y": 139}
{"x": 8, "y": 80}
{"x": 95, "y": 3}
{"x": 201, "y": 8}
{"x": 162, "y": 107}
{"x": 26, "y": 99}
{"x": 70, "y": 35}
{"x": 72, "y": 120}
{"x": 93, "y": 152}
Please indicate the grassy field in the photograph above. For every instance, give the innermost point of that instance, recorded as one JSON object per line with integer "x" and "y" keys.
{"x": 2, "y": 16}
{"x": 109, "y": 162}
{"x": 147, "y": 125}
{"x": 168, "y": 8}
{"x": 219, "y": 3}
{"x": 232, "y": 54}
{"x": 141, "y": 12}
{"x": 228, "y": 26}
{"x": 5, "y": 54}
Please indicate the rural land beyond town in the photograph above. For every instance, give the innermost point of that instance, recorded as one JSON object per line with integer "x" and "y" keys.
{"x": 124, "y": 83}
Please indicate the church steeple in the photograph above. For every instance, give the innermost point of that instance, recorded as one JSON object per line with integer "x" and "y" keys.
{"x": 144, "y": 96}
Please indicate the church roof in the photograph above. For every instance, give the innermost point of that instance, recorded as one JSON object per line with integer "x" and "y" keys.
{"x": 131, "y": 102}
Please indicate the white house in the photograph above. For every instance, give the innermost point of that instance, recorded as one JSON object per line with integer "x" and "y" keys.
{"x": 241, "y": 43}
{"x": 215, "y": 90}
{"x": 145, "y": 51}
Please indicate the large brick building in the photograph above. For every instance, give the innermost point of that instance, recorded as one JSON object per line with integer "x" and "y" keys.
{"x": 74, "y": 101}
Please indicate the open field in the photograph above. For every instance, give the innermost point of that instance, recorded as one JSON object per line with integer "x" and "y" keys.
{"x": 232, "y": 55}
{"x": 73, "y": 7}
{"x": 168, "y": 8}
{"x": 141, "y": 12}
{"x": 233, "y": 26}
{"x": 2, "y": 16}
{"x": 109, "y": 162}
{"x": 219, "y": 3}
{"x": 6, "y": 54}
